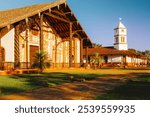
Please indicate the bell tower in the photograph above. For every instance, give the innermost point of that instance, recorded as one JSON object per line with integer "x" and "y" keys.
{"x": 120, "y": 37}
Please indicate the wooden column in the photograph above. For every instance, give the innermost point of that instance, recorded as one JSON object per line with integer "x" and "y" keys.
{"x": 81, "y": 51}
{"x": 86, "y": 56}
{"x": 70, "y": 46}
{"x": 111, "y": 59}
{"x": 27, "y": 44}
{"x": 0, "y": 52}
{"x": 55, "y": 51}
{"x": 16, "y": 47}
{"x": 124, "y": 61}
{"x": 75, "y": 52}
{"x": 64, "y": 55}
{"x": 41, "y": 32}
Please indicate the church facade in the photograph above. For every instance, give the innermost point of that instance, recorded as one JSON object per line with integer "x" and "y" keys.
{"x": 50, "y": 27}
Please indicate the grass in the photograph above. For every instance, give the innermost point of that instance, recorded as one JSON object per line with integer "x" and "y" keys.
{"x": 13, "y": 84}
{"x": 27, "y": 82}
{"x": 137, "y": 88}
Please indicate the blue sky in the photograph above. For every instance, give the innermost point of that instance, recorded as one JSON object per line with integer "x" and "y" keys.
{"x": 100, "y": 17}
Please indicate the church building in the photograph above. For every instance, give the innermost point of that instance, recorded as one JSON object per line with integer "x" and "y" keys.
{"x": 118, "y": 55}
{"x": 50, "y": 27}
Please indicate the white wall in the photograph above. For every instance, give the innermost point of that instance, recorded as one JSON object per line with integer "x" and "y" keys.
{"x": 121, "y": 46}
{"x": 7, "y": 41}
{"x": 114, "y": 59}
{"x": 128, "y": 59}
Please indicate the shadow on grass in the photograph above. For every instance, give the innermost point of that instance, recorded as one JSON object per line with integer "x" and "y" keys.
{"x": 32, "y": 81}
{"x": 9, "y": 90}
{"x": 54, "y": 78}
{"x": 137, "y": 88}
{"x": 116, "y": 87}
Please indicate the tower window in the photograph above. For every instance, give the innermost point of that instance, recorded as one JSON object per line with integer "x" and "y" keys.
{"x": 122, "y": 39}
{"x": 122, "y": 30}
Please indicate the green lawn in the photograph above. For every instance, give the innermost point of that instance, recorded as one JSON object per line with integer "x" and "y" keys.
{"x": 26, "y": 82}
{"x": 138, "y": 87}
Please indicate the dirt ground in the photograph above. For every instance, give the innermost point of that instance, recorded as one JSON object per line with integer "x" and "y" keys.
{"x": 78, "y": 90}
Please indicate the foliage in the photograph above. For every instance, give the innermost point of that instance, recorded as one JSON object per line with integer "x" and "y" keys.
{"x": 131, "y": 49}
{"x": 96, "y": 59}
{"x": 40, "y": 60}
{"x": 97, "y": 45}
{"x": 147, "y": 52}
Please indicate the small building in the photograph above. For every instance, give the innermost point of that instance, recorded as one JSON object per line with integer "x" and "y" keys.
{"x": 118, "y": 55}
{"x": 51, "y": 27}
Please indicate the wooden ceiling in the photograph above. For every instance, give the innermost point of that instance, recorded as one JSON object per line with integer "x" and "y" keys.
{"x": 60, "y": 17}
{"x": 58, "y": 14}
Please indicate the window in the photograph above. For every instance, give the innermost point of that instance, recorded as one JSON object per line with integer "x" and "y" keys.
{"x": 122, "y": 39}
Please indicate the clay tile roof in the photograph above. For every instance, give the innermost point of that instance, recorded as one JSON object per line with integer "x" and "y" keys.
{"x": 12, "y": 16}
{"x": 110, "y": 51}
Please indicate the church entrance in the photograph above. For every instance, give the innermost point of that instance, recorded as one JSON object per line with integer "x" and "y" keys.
{"x": 33, "y": 50}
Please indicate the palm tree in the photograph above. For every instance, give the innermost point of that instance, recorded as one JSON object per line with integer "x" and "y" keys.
{"x": 96, "y": 60}
{"x": 40, "y": 60}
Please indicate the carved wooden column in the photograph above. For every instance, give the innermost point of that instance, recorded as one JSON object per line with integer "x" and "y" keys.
{"x": 75, "y": 52}
{"x": 27, "y": 44}
{"x": 17, "y": 47}
{"x": 41, "y": 32}
{"x": 55, "y": 65}
{"x": 86, "y": 56}
{"x": 124, "y": 61}
{"x": 70, "y": 46}
{"x": 81, "y": 51}
{"x": 0, "y": 52}
{"x": 111, "y": 60}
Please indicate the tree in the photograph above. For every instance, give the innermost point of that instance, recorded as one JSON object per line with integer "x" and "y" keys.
{"x": 131, "y": 49}
{"x": 95, "y": 45}
{"x": 40, "y": 60}
{"x": 96, "y": 60}
{"x": 147, "y": 53}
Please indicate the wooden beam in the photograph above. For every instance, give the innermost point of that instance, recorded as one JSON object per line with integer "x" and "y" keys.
{"x": 55, "y": 51}
{"x": 70, "y": 47}
{"x": 50, "y": 25}
{"x": 86, "y": 57}
{"x": 27, "y": 39}
{"x": 41, "y": 32}
{"x": 75, "y": 52}
{"x": 36, "y": 22}
{"x": 56, "y": 17}
{"x": 0, "y": 52}
{"x": 81, "y": 51}
{"x": 68, "y": 13}
{"x": 59, "y": 13}
{"x": 8, "y": 27}
{"x": 76, "y": 31}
